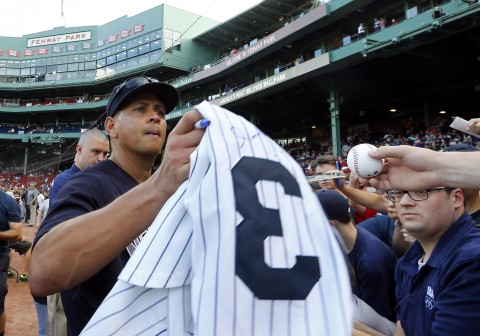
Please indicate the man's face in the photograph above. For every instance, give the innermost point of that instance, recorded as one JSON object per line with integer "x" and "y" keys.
{"x": 323, "y": 168}
{"x": 92, "y": 151}
{"x": 140, "y": 127}
{"x": 32, "y": 185}
{"x": 430, "y": 218}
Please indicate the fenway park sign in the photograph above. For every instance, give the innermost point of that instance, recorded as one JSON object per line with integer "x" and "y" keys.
{"x": 72, "y": 37}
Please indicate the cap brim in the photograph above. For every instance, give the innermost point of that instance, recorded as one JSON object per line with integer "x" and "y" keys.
{"x": 165, "y": 93}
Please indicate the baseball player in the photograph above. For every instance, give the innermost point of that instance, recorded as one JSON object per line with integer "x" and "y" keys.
{"x": 242, "y": 248}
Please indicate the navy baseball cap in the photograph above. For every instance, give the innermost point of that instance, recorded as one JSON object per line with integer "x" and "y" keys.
{"x": 138, "y": 85}
{"x": 334, "y": 204}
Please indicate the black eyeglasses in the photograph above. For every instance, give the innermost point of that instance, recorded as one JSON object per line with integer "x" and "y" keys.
{"x": 422, "y": 195}
{"x": 130, "y": 84}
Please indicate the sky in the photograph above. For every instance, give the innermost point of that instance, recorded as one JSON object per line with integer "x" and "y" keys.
{"x": 21, "y": 17}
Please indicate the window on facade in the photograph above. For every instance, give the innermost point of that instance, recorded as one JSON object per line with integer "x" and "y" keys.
{"x": 72, "y": 75}
{"x": 62, "y": 68}
{"x": 90, "y": 73}
{"x": 132, "y": 62}
{"x": 121, "y": 56}
{"x": 132, "y": 52}
{"x": 110, "y": 69}
{"x": 143, "y": 59}
{"x": 155, "y": 45}
{"x": 40, "y": 70}
{"x": 111, "y": 59}
{"x": 13, "y": 72}
{"x": 100, "y": 72}
{"x": 73, "y": 67}
{"x": 155, "y": 55}
{"x": 171, "y": 40}
{"x": 51, "y": 68}
{"x": 121, "y": 65}
{"x": 90, "y": 65}
{"x": 101, "y": 63}
{"x": 143, "y": 49}
{"x": 13, "y": 64}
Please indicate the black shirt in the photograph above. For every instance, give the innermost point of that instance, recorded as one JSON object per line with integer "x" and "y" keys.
{"x": 88, "y": 190}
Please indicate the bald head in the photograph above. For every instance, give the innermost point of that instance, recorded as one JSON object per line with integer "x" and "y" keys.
{"x": 92, "y": 147}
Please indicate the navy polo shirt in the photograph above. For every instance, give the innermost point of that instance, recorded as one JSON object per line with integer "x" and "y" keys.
{"x": 60, "y": 180}
{"x": 374, "y": 264}
{"x": 443, "y": 297}
{"x": 381, "y": 226}
{"x": 88, "y": 190}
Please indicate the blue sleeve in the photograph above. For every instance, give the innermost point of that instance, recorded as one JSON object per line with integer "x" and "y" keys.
{"x": 381, "y": 226}
{"x": 458, "y": 304}
{"x": 377, "y": 287}
{"x": 58, "y": 183}
{"x": 14, "y": 214}
{"x": 81, "y": 194}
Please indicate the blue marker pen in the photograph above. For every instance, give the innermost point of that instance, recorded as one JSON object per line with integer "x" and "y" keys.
{"x": 337, "y": 165}
{"x": 202, "y": 123}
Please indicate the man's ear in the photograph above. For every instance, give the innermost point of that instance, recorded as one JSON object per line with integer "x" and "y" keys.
{"x": 458, "y": 197}
{"x": 110, "y": 127}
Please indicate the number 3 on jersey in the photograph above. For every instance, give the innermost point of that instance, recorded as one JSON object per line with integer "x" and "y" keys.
{"x": 258, "y": 223}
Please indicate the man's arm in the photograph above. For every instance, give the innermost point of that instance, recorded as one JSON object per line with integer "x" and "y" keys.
{"x": 415, "y": 168}
{"x": 399, "y": 331}
{"x": 14, "y": 233}
{"x": 361, "y": 329}
{"x": 83, "y": 245}
{"x": 366, "y": 199}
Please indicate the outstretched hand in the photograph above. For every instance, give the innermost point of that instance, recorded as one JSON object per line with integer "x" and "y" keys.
{"x": 474, "y": 125}
{"x": 406, "y": 168}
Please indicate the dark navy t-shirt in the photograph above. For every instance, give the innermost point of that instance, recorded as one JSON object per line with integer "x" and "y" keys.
{"x": 381, "y": 226}
{"x": 9, "y": 212}
{"x": 89, "y": 190}
{"x": 374, "y": 264}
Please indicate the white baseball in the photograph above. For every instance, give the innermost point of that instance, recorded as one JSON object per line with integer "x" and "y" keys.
{"x": 363, "y": 164}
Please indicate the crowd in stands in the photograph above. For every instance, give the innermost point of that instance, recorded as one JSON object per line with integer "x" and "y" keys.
{"x": 438, "y": 137}
{"x": 48, "y": 128}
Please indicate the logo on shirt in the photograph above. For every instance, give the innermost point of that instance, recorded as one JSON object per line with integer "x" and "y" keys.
{"x": 133, "y": 245}
{"x": 430, "y": 298}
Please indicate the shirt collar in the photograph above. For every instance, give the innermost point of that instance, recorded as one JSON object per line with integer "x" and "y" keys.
{"x": 443, "y": 248}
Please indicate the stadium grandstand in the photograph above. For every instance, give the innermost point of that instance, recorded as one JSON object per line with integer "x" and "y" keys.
{"x": 300, "y": 70}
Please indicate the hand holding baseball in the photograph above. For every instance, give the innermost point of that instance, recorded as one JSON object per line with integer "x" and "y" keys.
{"x": 363, "y": 164}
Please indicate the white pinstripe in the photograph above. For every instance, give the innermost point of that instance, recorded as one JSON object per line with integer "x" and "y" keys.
{"x": 181, "y": 279}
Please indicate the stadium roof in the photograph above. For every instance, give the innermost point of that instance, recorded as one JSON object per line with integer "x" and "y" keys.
{"x": 260, "y": 20}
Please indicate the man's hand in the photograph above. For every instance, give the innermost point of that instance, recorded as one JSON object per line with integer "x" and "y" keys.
{"x": 406, "y": 168}
{"x": 474, "y": 125}
{"x": 181, "y": 143}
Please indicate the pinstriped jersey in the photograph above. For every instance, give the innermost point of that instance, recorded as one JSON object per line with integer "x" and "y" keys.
{"x": 242, "y": 248}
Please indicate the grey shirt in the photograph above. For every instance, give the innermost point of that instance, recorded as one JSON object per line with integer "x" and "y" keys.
{"x": 32, "y": 193}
